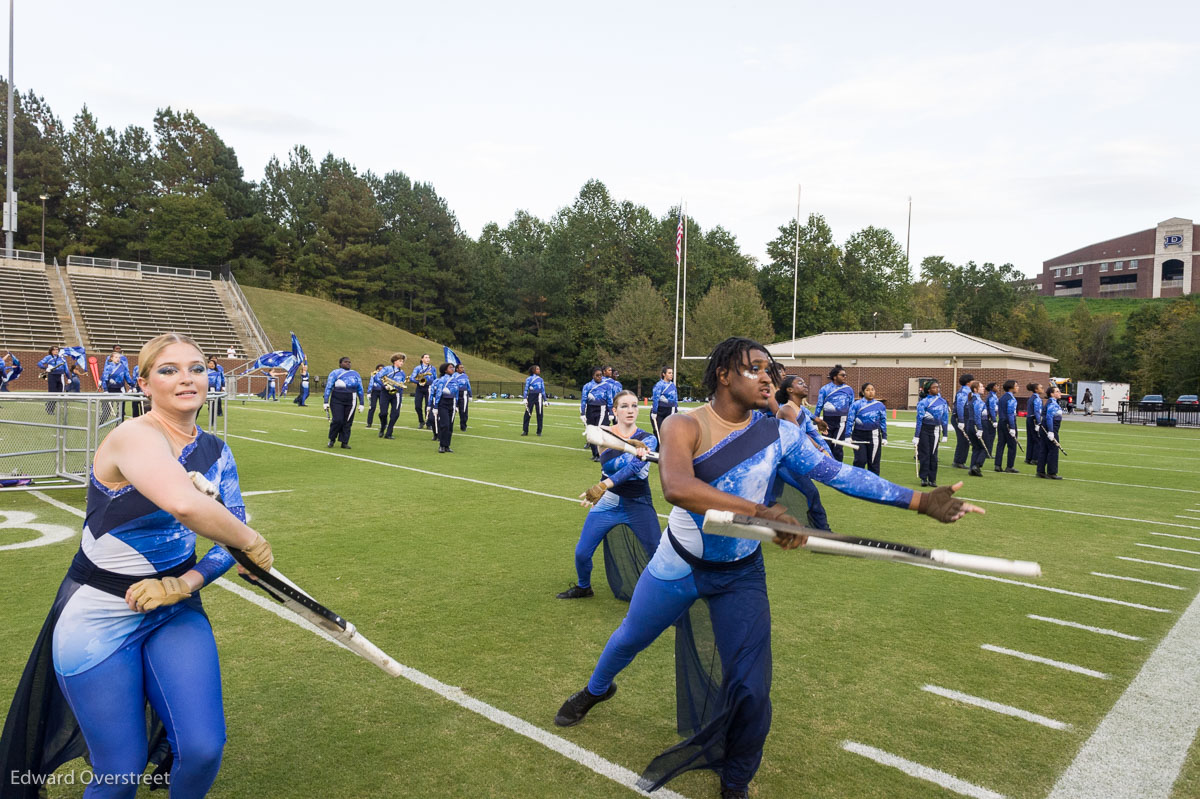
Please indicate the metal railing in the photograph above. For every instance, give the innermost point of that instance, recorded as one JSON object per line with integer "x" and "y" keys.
{"x": 248, "y": 314}
{"x": 50, "y": 439}
{"x": 1160, "y": 414}
{"x": 137, "y": 266}
{"x": 70, "y": 305}
{"x": 24, "y": 255}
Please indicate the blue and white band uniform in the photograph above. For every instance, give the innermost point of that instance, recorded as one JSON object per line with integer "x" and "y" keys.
{"x": 866, "y": 424}
{"x": 1006, "y": 430}
{"x": 116, "y": 377}
{"x": 934, "y": 411}
{"x": 933, "y": 422}
{"x": 344, "y": 380}
{"x": 833, "y": 403}
{"x": 594, "y": 393}
{"x": 1033, "y": 421}
{"x": 53, "y": 365}
{"x": 9, "y": 373}
{"x": 343, "y": 395}
{"x": 664, "y": 395}
{"x": 962, "y": 443}
{"x": 534, "y": 395}
{"x": 628, "y": 502}
{"x": 1051, "y": 423}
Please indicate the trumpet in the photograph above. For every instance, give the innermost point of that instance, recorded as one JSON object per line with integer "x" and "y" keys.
{"x": 423, "y": 379}
{"x": 390, "y": 385}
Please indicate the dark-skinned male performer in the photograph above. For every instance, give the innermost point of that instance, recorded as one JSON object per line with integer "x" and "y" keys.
{"x": 725, "y": 455}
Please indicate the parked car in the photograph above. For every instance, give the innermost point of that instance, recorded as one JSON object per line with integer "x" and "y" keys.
{"x": 1151, "y": 402}
{"x": 1188, "y": 399}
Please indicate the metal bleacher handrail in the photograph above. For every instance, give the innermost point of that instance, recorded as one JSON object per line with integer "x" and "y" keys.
{"x": 255, "y": 327}
{"x": 137, "y": 266}
{"x": 24, "y": 255}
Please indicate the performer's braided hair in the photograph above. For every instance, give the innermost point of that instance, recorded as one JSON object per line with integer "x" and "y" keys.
{"x": 731, "y": 354}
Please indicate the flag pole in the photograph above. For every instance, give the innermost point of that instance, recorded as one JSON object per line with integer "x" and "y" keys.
{"x": 683, "y": 307}
{"x": 675, "y": 350}
{"x": 908, "y": 237}
{"x": 796, "y": 271}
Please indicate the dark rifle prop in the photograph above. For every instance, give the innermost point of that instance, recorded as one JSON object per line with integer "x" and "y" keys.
{"x": 720, "y": 522}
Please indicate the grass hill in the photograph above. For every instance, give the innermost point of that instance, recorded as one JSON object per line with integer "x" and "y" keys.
{"x": 327, "y": 331}
{"x": 1061, "y": 308}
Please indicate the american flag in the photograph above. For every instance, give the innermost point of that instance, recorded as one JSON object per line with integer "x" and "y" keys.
{"x": 679, "y": 240}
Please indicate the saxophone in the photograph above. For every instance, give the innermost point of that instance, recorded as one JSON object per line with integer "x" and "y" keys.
{"x": 389, "y": 385}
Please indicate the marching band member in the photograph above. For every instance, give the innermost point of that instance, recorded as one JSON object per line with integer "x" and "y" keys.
{"x": 464, "y": 396}
{"x": 374, "y": 391}
{"x": 991, "y": 415}
{"x": 664, "y": 399}
{"x": 391, "y": 384}
{"x": 445, "y": 390}
{"x": 9, "y": 373}
{"x": 342, "y": 387}
{"x": 727, "y": 443}
{"x": 962, "y": 443}
{"x": 54, "y": 369}
{"x": 932, "y": 412}
{"x": 866, "y": 425}
{"x": 302, "y": 398}
{"x": 594, "y": 403}
{"x": 534, "y": 394}
{"x": 1050, "y": 423}
{"x": 790, "y": 398}
{"x": 1006, "y": 428}
{"x": 127, "y": 626}
{"x": 216, "y": 380}
{"x": 622, "y": 497}
{"x": 1033, "y": 424}
{"x": 422, "y": 375}
{"x": 974, "y": 421}
{"x": 833, "y": 401}
{"x": 614, "y": 388}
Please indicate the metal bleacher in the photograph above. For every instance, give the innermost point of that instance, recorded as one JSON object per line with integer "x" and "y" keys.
{"x": 131, "y": 309}
{"x": 28, "y": 317}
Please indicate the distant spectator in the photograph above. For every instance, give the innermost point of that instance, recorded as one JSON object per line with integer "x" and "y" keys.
{"x": 231, "y": 352}
{"x": 1087, "y": 402}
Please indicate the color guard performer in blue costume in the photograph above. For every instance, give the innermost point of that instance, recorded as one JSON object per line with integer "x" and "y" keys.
{"x": 54, "y": 369}
{"x": 216, "y": 380}
{"x": 833, "y": 403}
{"x": 974, "y": 419}
{"x": 725, "y": 455}
{"x": 464, "y": 396}
{"x": 272, "y": 382}
{"x": 1006, "y": 428}
{"x": 932, "y": 412}
{"x": 790, "y": 399}
{"x": 866, "y": 425}
{"x": 1033, "y": 424}
{"x": 343, "y": 398}
{"x": 127, "y": 626}
{"x": 421, "y": 377}
{"x": 302, "y": 398}
{"x": 962, "y": 443}
{"x": 9, "y": 373}
{"x": 595, "y": 402}
{"x": 1051, "y": 422}
{"x": 614, "y": 388}
{"x": 664, "y": 399}
{"x": 621, "y": 498}
{"x": 534, "y": 394}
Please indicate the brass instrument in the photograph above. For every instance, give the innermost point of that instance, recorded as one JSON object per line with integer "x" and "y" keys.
{"x": 423, "y": 379}
{"x": 389, "y": 385}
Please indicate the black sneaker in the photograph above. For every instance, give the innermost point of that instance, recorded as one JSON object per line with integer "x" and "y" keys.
{"x": 345, "y": 446}
{"x": 381, "y": 434}
{"x": 441, "y": 449}
{"x": 330, "y": 445}
{"x": 997, "y": 469}
{"x": 1011, "y": 471}
{"x": 525, "y": 433}
{"x": 389, "y": 436}
{"x": 734, "y": 793}
{"x": 959, "y": 465}
{"x": 975, "y": 472}
{"x": 576, "y": 592}
{"x": 924, "y": 484}
{"x": 1041, "y": 475}
{"x": 932, "y": 484}
{"x": 1055, "y": 477}
{"x": 575, "y": 708}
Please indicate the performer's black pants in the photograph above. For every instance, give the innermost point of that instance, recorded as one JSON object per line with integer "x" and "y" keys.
{"x": 978, "y": 453}
{"x": 389, "y": 412}
{"x": 1048, "y": 455}
{"x": 928, "y": 441}
{"x": 420, "y": 401}
{"x": 342, "y": 407}
{"x": 593, "y": 414}
{"x": 869, "y": 448}
{"x": 445, "y": 420}
{"x": 55, "y": 384}
{"x": 375, "y": 394}
{"x": 534, "y": 402}
{"x": 107, "y": 410}
{"x": 962, "y": 442}
{"x": 989, "y": 435}
{"x": 836, "y": 424}
{"x": 660, "y": 417}
{"x": 1033, "y": 440}
{"x": 464, "y": 403}
{"x": 1004, "y": 440}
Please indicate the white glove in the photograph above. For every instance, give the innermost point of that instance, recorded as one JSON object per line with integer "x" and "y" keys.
{"x": 916, "y": 441}
{"x": 884, "y": 442}
{"x": 1012, "y": 432}
{"x": 583, "y": 418}
{"x": 962, "y": 427}
{"x": 944, "y": 439}
{"x": 325, "y": 406}
{"x": 1049, "y": 435}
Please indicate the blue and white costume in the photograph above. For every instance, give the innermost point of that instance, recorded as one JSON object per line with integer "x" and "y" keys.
{"x": 933, "y": 422}
{"x": 9, "y": 373}
{"x": 271, "y": 382}
{"x": 108, "y": 660}
{"x": 1006, "y": 430}
{"x": 343, "y": 395}
{"x": 664, "y": 401}
{"x": 464, "y": 399}
{"x": 814, "y": 508}
{"x": 391, "y": 399}
{"x": 302, "y": 398}
{"x": 445, "y": 392}
{"x": 1033, "y": 429}
{"x": 833, "y": 403}
{"x": 534, "y": 394}
{"x": 962, "y": 442}
{"x": 216, "y": 382}
{"x": 976, "y": 411}
{"x": 992, "y": 413}
{"x": 728, "y": 572}
{"x": 629, "y": 503}
{"x": 595, "y": 404}
{"x": 421, "y": 376}
{"x": 866, "y": 425}
{"x": 55, "y": 367}
{"x": 1051, "y": 422}
{"x": 614, "y": 388}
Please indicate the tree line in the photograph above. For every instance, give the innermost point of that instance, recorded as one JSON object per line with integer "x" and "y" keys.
{"x": 593, "y": 282}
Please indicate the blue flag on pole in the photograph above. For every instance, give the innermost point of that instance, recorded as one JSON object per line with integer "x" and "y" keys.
{"x": 299, "y": 358}
{"x": 451, "y": 358}
{"x": 76, "y": 353}
{"x": 280, "y": 359}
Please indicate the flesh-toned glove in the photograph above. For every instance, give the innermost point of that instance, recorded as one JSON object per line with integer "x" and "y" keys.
{"x": 593, "y": 494}
{"x": 916, "y": 441}
{"x": 153, "y": 593}
{"x": 260, "y": 553}
{"x": 778, "y": 513}
{"x": 822, "y": 426}
{"x": 940, "y": 503}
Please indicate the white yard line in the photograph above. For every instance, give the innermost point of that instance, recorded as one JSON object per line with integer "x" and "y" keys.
{"x": 1168, "y": 549}
{"x": 261, "y": 493}
{"x": 1196, "y": 518}
{"x": 940, "y": 778}
{"x": 1058, "y": 664}
{"x": 1139, "y": 749}
{"x": 1051, "y": 589}
{"x": 562, "y": 746}
{"x": 1160, "y": 563}
{"x": 987, "y": 704}
{"x": 1077, "y": 626}
{"x": 1172, "y": 535}
{"x": 1081, "y": 513}
{"x": 1136, "y": 580}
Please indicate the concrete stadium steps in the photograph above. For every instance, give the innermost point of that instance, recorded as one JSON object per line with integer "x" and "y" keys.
{"x": 29, "y": 316}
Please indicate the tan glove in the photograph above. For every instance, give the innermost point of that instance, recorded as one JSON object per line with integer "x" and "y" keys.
{"x": 941, "y": 504}
{"x": 204, "y": 485}
{"x": 593, "y": 494}
{"x": 152, "y": 593}
{"x": 822, "y": 426}
{"x": 778, "y": 513}
{"x": 260, "y": 553}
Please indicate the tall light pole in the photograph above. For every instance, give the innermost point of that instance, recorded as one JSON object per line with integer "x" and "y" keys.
{"x": 8, "y": 178}
{"x": 43, "y": 198}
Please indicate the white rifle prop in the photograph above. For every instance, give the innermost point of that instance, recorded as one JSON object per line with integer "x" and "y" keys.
{"x": 723, "y": 522}
{"x": 600, "y": 437}
{"x": 841, "y": 442}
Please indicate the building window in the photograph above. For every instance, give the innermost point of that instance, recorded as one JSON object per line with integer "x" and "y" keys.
{"x": 1058, "y": 273}
{"x": 1104, "y": 267}
{"x": 1118, "y": 266}
{"x": 1039, "y": 286}
{"x": 1132, "y": 265}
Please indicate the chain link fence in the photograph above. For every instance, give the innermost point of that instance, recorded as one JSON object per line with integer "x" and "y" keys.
{"x": 49, "y": 440}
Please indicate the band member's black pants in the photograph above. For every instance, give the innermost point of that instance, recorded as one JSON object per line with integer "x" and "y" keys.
{"x": 928, "y": 441}
{"x": 342, "y": 407}
{"x": 533, "y": 404}
{"x": 1005, "y": 440}
{"x": 420, "y": 403}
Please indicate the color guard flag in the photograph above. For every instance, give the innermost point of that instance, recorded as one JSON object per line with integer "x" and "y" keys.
{"x": 298, "y": 358}
{"x": 451, "y": 358}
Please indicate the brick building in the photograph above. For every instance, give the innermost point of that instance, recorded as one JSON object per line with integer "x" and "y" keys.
{"x": 1159, "y": 262}
{"x": 896, "y": 361}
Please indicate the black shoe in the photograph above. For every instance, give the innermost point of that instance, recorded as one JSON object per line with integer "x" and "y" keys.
{"x": 420, "y": 425}
{"x": 595, "y": 458}
{"x": 997, "y": 469}
{"x": 525, "y": 433}
{"x": 381, "y": 434}
{"x": 449, "y": 450}
{"x": 1041, "y": 475}
{"x": 345, "y": 446}
{"x": 368, "y": 425}
{"x": 389, "y": 436}
{"x": 441, "y": 450}
{"x": 924, "y": 483}
{"x": 576, "y": 592}
{"x": 932, "y": 484}
{"x": 734, "y": 793}
{"x": 575, "y": 708}
{"x": 1011, "y": 471}
{"x": 975, "y": 472}
{"x": 959, "y": 465}
{"x": 539, "y": 432}
{"x": 1055, "y": 477}
{"x": 330, "y": 445}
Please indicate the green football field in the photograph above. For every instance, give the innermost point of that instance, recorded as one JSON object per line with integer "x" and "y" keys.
{"x": 890, "y": 680}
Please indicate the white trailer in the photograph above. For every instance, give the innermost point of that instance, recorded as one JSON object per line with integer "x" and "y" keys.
{"x": 1106, "y": 395}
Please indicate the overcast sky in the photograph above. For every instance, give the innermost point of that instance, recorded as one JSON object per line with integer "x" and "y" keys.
{"x": 1022, "y": 131}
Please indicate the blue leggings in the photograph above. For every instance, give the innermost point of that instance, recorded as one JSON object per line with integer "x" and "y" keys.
{"x": 641, "y": 518}
{"x": 176, "y": 668}
{"x": 741, "y": 621}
